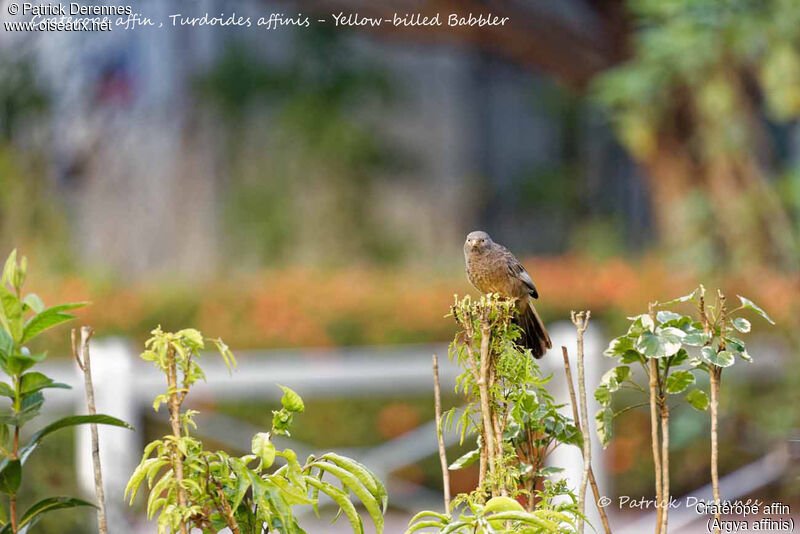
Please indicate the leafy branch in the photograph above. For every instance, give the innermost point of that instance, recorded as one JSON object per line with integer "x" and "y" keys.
{"x": 191, "y": 487}
{"x": 22, "y": 320}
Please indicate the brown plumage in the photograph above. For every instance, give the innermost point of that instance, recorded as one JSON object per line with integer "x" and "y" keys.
{"x": 492, "y": 268}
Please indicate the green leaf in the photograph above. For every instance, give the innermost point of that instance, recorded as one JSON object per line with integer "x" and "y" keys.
{"x": 21, "y": 362}
{"x": 614, "y": 377}
{"x": 291, "y": 400}
{"x": 641, "y": 323}
{"x": 741, "y": 324}
{"x": 678, "y": 358}
{"x": 465, "y": 460}
{"x": 618, "y": 346}
{"x": 33, "y": 302}
{"x": 193, "y": 336}
{"x": 364, "y": 475}
{"x": 678, "y": 381}
{"x": 352, "y": 483}
{"x": 11, "y": 316}
{"x": 604, "y": 421}
{"x": 291, "y": 493}
{"x": 33, "y": 513}
{"x": 529, "y": 518}
{"x": 65, "y": 422}
{"x": 698, "y": 399}
{"x": 602, "y": 395}
{"x": 696, "y": 338}
{"x": 415, "y": 526}
{"x": 48, "y": 319}
{"x": 262, "y": 447}
{"x": 9, "y": 268}
{"x": 665, "y": 316}
{"x": 722, "y": 358}
{"x": 750, "y": 305}
{"x": 734, "y": 344}
{"x": 666, "y": 342}
{"x": 6, "y": 343}
{"x": 427, "y": 513}
{"x": 32, "y": 382}
{"x": 341, "y": 498}
{"x": 10, "y": 476}
{"x": 685, "y": 298}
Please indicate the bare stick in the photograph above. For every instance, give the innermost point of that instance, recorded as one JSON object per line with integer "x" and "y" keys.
{"x": 712, "y": 372}
{"x": 654, "y": 416}
{"x": 665, "y": 463}
{"x": 581, "y": 322}
{"x": 437, "y": 398}
{"x": 654, "y": 438}
{"x": 576, "y": 418}
{"x": 714, "y": 377}
{"x": 81, "y": 355}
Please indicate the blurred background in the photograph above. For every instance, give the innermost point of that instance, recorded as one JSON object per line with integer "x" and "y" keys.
{"x": 304, "y": 193}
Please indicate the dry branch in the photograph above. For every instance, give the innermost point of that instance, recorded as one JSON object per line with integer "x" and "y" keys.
{"x": 654, "y": 416}
{"x": 80, "y": 351}
{"x": 576, "y": 417}
{"x": 581, "y": 322}
{"x": 437, "y": 396}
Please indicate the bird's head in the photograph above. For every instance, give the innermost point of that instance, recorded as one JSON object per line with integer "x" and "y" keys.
{"x": 478, "y": 241}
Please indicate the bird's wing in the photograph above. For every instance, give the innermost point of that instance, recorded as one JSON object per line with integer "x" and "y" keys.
{"x": 518, "y": 271}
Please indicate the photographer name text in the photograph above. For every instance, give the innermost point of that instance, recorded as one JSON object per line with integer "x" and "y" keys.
{"x": 76, "y": 16}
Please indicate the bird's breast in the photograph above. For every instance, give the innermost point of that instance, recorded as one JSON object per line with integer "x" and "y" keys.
{"x": 488, "y": 276}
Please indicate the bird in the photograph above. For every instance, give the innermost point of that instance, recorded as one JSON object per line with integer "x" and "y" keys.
{"x": 492, "y": 268}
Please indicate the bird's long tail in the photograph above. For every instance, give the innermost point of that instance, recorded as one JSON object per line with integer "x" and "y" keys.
{"x": 534, "y": 334}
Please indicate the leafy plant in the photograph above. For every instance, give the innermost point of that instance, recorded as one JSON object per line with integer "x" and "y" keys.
{"x": 22, "y": 319}
{"x": 516, "y": 425}
{"x": 499, "y": 514}
{"x": 670, "y": 347}
{"x": 191, "y": 487}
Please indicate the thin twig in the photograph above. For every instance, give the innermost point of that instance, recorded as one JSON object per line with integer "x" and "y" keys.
{"x": 575, "y": 416}
{"x": 654, "y": 416}
{"x": 81, "y": 355}
{"x": 437, "y": 398}
{"x": 581, "y": 322}
{"x": 715, "y": 374}
{"x": 665, "y": 462}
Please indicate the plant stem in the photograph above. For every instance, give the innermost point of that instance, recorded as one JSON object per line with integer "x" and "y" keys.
{"x": 581, "y": 321}
{"x": 665, "y": 463}
{"x": 654, "y": 438}
{"x": 714, "y": 374}
{"x": 483, "y": 387}
{"x": 437, "y": 398}
{"x": 15, "y": 450}
{"x": 227, "y": 513}
{"x": 576, "y": 418}
{"x": 81, "y": 355}
{"x": 175, "y": 422}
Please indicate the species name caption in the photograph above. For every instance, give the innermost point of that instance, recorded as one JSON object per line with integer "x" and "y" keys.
{"x": 74, "y": 16}
{"x": 752, "y": 515}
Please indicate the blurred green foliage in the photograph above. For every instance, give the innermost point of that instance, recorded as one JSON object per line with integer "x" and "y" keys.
{"x": 21, "y": 97}
{"x": 315, "y": 182}
{"x": 697, "y": 104}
